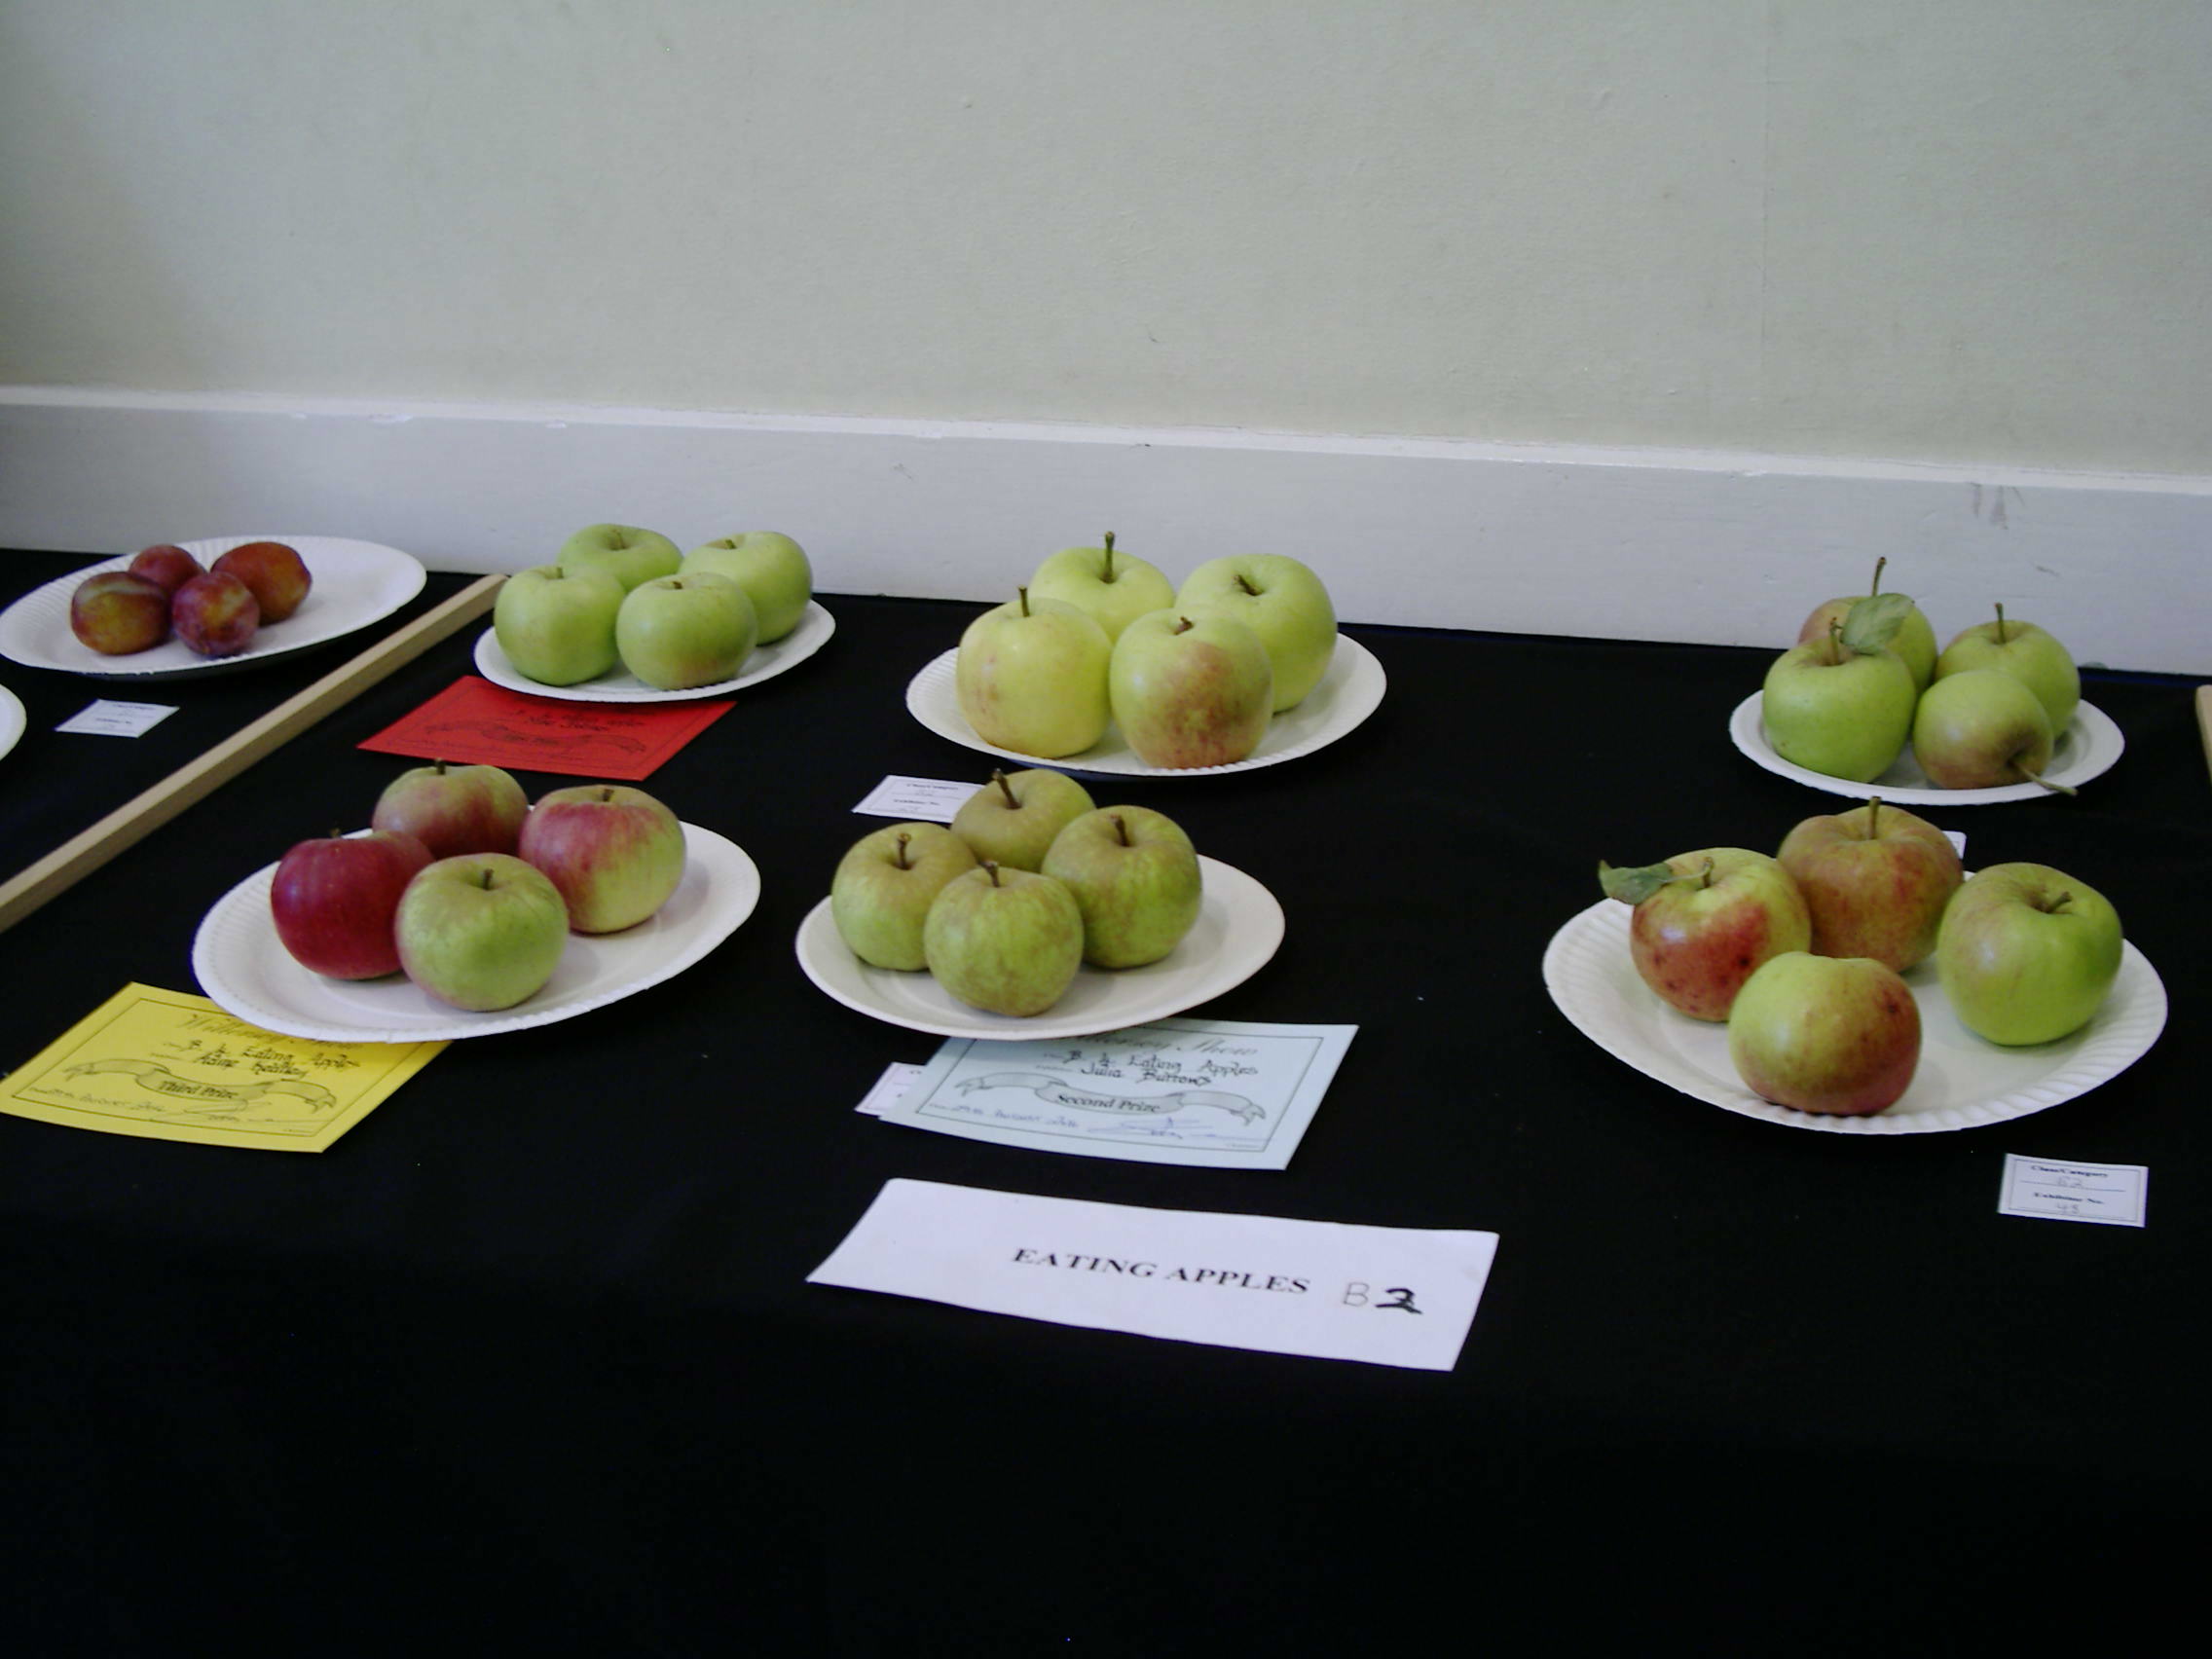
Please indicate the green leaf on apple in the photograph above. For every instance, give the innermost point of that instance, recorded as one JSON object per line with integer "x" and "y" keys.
{"x": 1873, "y": 622}
{"x": 1635, "y": 886}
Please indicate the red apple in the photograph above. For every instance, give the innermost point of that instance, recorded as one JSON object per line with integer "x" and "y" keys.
{"x": 116, "y": 612}
{"x": 167, "y": 564}
{"x": 1828, "y": 1034}
{"x": 1706, "y": 921}
{"x": 276, "y": 572}
{"x": 216, "y": 614}
{"x": 334, "y": 899}
{"x": 1876, "y": 881}
{"x": 615, "y": 853}
{"x": 455, "y": 810}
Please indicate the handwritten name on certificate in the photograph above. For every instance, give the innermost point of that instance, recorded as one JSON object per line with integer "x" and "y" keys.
{"x": 1325, "y": 1290}
{"x": 1208, "y": 1092}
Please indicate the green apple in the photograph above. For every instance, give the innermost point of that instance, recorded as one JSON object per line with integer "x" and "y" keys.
{"x": 483, "y": 931}
{"x": 1011, "y": 820}
{"x": 1832, "y": 1034}
{"x": 1705, "y": 921}
{"x": 623, "y": 551}
{"x": 1112, "y": 586}
{"x": 1193, "y": 691}
{"x": 772, "y": 569}
{"x": 1915, "y": 640}
{"x": 1981, "y": 729}
{"x": 1281, "y": 600}
{"x": 1135, "y": 878}
{"x": 885, "y": 883}
{"x": 678, "y": 632}
{"x": 615, "y": 853}
{"x": 1031, "y": 676}
{"x": 556, "y": 626}
{"x": 2027, "y": 954}
{"x": 2026, "y": 652}
{"x": 1004, "y": 941}
{"x": 1874, "y": 879}
{"x": 1837, "y": 711}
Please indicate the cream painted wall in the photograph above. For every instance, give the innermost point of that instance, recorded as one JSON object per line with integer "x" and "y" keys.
{"x": 1964, "y": 231}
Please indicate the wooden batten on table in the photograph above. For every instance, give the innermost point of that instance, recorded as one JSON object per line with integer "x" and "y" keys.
{"x": 128, "y": 824}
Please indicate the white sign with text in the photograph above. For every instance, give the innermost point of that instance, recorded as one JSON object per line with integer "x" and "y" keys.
{"x": 1325, "y": 1290}
{"x": 1216, "y": 1092}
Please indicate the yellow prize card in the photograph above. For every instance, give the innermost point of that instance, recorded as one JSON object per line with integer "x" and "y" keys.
{"x": 176, "y": 1067}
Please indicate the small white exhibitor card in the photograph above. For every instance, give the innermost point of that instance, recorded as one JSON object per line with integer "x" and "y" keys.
{"x": 1325, "y": 1290}
{"x": 1208, "y": 1092}
{"x": 2113, "y": 1194}
{"x": 930, "y": 800}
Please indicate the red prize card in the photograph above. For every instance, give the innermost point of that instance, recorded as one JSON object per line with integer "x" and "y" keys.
{"x": 481, "y": 724}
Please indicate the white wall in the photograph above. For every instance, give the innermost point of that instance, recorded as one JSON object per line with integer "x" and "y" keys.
{"x": 1943, "y": 230}
{"x": 1867, "y": 243}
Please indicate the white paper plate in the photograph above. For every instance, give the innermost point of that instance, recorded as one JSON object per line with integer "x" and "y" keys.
{"x": 619, "y": 685}
{"x": 13, "y": 720}
{"x": 1238, "y": 928}
{"x": 2085, "y": 750}
{"x": 1347, "y": 694}
{"x": 243, "y": 965}
{"x": 356, "y": 583}
{"x": 1962, "y": 1082}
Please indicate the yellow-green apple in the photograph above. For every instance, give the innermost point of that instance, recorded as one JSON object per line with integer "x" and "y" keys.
{"x": 1135, "y": 878}
{"x": 1004, "y": 941}
{"x": 1280, "y": 600}
{"x": 215, "y": 614}
{"x": 167, "y": 564}
{"x": 556, "y": 626}
{"x": 453, "y": 810}
{"x": 1030, "y": 676}
{"x": 1011, "y": 820}
{"x": 2025, "y": 652}
{"x": 770, "y": 566}
{"x": 116, "y": 613}
{"x": 333, "y": 901}
{"x": 2027, "y": 954}
{"x": 614, "y": 852}
{"x": 1982, "y": 728}
{"x": 276, "y": 574}
{"x": 484, "y": 931}
{"x": 1874, "y": 879}
{"x": 884, "y": 886}
{"x": 1839, "y": 710}
{"x": 624, "y": 551}
{"x": 1704, "y": 922}
{"x": 1915, "y": 640}
{"x": 1832, "y": 1034}
{"x": 1194, "y": 690}
{"x": 1112, "y": 586}
{"x": 676, "y": 632}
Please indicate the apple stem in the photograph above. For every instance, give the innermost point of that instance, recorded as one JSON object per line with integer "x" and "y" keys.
{"x": 1835, "y": 642}
{"x": 1246, "y": 582}
{"x": 1873, "y": 818}
{"x": 1107, "y": 574}
{"x": 991, "y": 865}
{"x": 1704, "y": 875}
{"x": 486, "y": 883}
{"x": 1875, "y": 586}
{"x": 903, "y": 839}
{"x": 2039, "y": 778}
{"x": 439, "y": 768}
{"x": 1006, "y": 788}
{"x": 1121, "y": 829}
{"x": 1999, "y": 624}
{"x": 1182, "y": 625}
{"x": 1025, "y": 595}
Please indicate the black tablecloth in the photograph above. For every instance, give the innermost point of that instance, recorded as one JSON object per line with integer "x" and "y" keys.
{"x": 528, "y": 1357}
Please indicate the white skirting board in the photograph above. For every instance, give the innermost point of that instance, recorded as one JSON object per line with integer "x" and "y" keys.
{"x": 1632, "y": 544}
